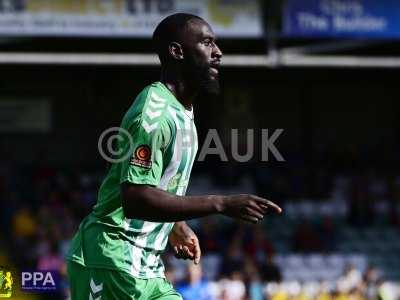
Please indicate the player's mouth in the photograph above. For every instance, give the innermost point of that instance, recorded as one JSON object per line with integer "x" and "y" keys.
{"x": 214, "y": 69}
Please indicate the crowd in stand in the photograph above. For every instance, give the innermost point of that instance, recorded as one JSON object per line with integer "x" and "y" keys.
{"x": 247, "y": 284}
{"x": 42, "y": 207}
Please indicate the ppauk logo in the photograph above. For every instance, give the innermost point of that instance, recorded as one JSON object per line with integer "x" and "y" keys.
{"x": 40, "y": 281}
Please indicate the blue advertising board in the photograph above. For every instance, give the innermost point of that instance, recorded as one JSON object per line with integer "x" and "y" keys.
{"x": 342, "y": 18}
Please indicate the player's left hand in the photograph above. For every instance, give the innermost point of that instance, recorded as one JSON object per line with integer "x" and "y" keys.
{"x": 185, "y": 242}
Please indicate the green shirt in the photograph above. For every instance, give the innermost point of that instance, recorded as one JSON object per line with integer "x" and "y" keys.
{"x": 162, "y": 154}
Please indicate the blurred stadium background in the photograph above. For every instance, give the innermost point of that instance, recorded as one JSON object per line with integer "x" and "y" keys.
{"x": 325, "y": 71}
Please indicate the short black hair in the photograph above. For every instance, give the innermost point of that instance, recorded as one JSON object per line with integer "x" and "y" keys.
{"x": 170, "y": 30}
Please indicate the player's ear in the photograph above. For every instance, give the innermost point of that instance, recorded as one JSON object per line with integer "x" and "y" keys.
{"x": 175, "y": 50}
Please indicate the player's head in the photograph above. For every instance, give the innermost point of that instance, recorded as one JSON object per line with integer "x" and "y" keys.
{"x": 187, "y": 42}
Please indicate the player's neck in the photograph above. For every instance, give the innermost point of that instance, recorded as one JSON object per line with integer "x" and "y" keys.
{"x": 179, "y": 87}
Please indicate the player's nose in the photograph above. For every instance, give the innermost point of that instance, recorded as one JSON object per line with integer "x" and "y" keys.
{"x": 217, "y": 52}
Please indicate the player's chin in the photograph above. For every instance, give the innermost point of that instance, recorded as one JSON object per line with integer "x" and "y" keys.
{"x": 211, "y": 86}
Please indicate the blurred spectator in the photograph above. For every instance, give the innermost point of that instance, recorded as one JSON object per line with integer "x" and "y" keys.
{"x": 51, "y": 259}
{"x": 233, "y": 259}
{"x": 351, "y": 279}
{"x": 195, "y": 287}
{"x": 232, "y": 288}
{"x": 270, "y": 271}
{"x": 24, "y": 224}
{"x": 279, "y": 294}
{"x": 209, "y": 237}
{"x": 388, "y": 291}
{"x": 255, "y": 284}
{"x": 371, "y": 279}
{"x": 323, "y": 292}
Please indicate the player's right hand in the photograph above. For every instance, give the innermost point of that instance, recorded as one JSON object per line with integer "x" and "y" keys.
{"x": 248, "y": 208}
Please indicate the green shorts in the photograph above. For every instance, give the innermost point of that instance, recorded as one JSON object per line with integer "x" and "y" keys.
{"x": 102, "y": 284}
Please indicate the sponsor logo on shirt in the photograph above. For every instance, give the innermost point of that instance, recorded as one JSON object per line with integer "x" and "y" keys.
{"x": 142, "y": 157}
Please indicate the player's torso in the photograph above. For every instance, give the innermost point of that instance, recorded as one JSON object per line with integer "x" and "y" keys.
{"x": 176, "y": 174}
{"x": 130, "y": 244}
{"x": 179, "y": 156}
{"x": 160, "y": 111}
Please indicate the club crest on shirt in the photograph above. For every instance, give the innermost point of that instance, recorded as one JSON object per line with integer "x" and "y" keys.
{"x": 173, "y": 183}
{"x": 177, "y": 181}
{"x": 142, "y": 157}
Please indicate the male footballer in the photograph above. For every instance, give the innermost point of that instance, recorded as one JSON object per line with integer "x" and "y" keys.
{"x": 141, "y": 203}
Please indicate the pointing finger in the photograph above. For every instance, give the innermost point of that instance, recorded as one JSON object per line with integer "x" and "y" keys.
{"x": 274, "y": 206}
{"x": 265, "y": 202}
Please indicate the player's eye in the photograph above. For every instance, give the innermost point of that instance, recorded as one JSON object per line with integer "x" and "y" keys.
{"x": 207, "y": 43}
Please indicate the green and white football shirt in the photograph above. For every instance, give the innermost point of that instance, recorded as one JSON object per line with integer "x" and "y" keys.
{"x": 162, "y": 154}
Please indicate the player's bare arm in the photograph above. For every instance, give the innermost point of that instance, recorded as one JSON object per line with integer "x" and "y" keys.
{"x": 152, "y": 204}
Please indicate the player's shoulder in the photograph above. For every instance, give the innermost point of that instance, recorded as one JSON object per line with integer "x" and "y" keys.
{"x": 151, "y": 108}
